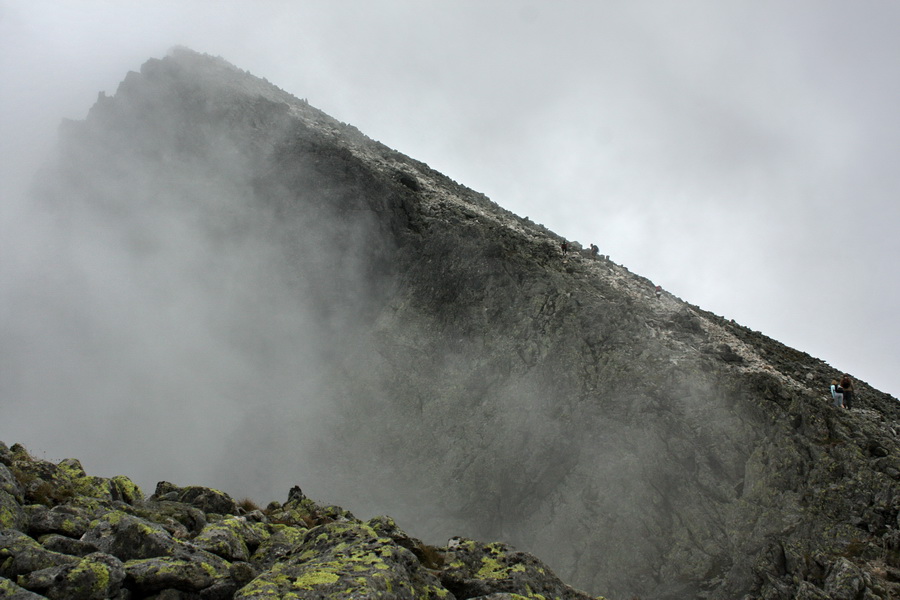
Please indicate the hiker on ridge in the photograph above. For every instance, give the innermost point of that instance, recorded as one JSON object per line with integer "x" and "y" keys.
{"x": 837, "y": 392}
{"x": 847, "y": 385}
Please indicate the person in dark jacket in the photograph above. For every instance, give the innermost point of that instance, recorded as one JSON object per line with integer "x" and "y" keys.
{"x": 847, "y": 386}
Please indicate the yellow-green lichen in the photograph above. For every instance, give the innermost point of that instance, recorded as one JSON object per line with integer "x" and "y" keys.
{"x": 490, "y": 569}
{"x": 91, "y": 573}
{"x": 8, "y": 518}
{"x": 128, "y": 490}
{"x": 316, "y": 578}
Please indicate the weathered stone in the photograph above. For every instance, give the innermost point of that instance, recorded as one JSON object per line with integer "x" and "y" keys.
{"x": 845, "y": 581}
{"x": 67, "y": 545}
{"x": 283, "y": 540}
{"x": 241, "y": 572}
{"x": 118, "y": 488}
{"x": 42, "y": 482}
{"x": 12, "y": 516}
{"x": 186, "y": 573}
{"x": 11, "y": 591}
{"x": 179, "y": 519}
{"x": 208, "y": 500}
{"x": 64, "y": 520}
{"x": 19, "y": 554}
{"x": 346, "y": 560}
{"x": 128, "y": 537}
{"x": 226, "y": 538}
{"x": 475, "y": 570}
{"x": 9, "y": 484}
{"x": 95, "y": 577}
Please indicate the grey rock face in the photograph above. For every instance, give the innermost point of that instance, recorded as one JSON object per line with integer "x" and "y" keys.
{"x": 644, "y": 446}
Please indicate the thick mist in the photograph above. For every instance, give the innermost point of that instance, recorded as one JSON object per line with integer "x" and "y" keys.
{"x": 161, "y": 320}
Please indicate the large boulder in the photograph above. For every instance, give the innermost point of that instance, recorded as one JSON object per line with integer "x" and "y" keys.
{"x": 9, "y": 484}
{"x": 118, "y": 488}
{"x": 11, "y": 591}
{"x": 281, "y": 542}
{"x": 206, "y": 499}
{"x": 128, "y": 537}
{"x": 345, "y": 559}
{"x": 11, "y": 514}
{"x": 187, "y": 573}
{"x": 64, "y": 520}
{"x": 95, "y": 577}
{"x": 234, "y": 539}
{"x": 20, "y": 554}
{"x": 475, "y": 570}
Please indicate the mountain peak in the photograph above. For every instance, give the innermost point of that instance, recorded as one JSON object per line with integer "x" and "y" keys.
{"x": 300, "y": 303}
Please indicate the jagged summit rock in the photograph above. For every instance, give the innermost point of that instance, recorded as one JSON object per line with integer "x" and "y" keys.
{"x": 477, "y": 380}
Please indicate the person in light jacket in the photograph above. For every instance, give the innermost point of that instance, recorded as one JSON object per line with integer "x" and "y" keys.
{"x": 837, "y": 393}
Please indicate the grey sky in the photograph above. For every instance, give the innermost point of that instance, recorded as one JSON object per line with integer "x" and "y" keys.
{"x": 740, "y": 154}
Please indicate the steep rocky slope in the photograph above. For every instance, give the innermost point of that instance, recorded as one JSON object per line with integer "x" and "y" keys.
{"x": 479, "y": 381}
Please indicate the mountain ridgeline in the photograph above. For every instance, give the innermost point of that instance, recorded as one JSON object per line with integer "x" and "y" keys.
{"x": 334, "y": 314}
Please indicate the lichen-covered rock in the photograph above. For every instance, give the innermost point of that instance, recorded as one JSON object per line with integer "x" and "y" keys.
{"x": 128, "y": 537}
{"x": 845, "y": 581}
{"x": 346, "y": 559}
{"x": 118, "y": 488}
{"x": 64, "y": 520}
{"x": 475, "y": 570}
{"x": 95, "y": 577}
{"x": 299, "y": 510}
{"x": 180, "y": 520}
{"x": 206, "y": 499}
{"x": 9, "y": 484}
{"x": 188, "y": 573}
{"x": 229, "y": 538}
{"x": 11, "y": 514}
{"x": 172, "y": 550}
{"x": 10, "y": 591}
{"x": 384, "y": 526}
{"x": 66, "y": 545}
{"x": 281, "y": 542}
{"x": 42, "y": 482}
{"x": 20, "y": 554}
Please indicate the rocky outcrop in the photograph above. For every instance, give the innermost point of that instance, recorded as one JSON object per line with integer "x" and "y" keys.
{"x": 173, "y": 546}
{"x": 479, "y": 380}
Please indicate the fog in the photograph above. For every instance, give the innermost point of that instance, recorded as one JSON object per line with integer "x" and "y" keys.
{"x": 739, "y": 155}
{"x": 157, "y": 317}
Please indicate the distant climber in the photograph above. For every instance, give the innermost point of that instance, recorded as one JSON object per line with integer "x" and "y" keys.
{"x": 565, "y": 248}
{"x": 837, "y": 393}
{"x": 659, "y": 291}
{"x": 847, "y": 386}
{"x": 594, "y": 250}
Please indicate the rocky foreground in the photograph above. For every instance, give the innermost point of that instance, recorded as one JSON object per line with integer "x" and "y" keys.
{"x": 68, "y": 535}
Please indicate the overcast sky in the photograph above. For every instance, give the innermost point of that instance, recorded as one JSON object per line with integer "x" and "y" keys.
{"x": 740, "y": 154}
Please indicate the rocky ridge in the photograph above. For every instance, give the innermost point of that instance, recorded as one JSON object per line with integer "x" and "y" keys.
{"x": 643, "y": 445}
{"x": 68, "y": 535}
